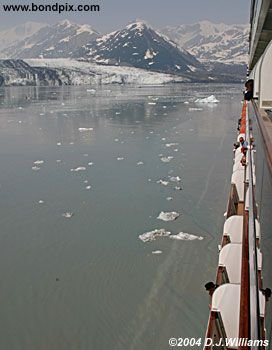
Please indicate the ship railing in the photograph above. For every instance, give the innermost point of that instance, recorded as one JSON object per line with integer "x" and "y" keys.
{"x": 249, "y": 325}
{"x": 237, "y": 301}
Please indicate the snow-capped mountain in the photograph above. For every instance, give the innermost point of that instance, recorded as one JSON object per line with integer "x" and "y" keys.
{"x": 210, "y": 42}
{"x": 59, "y": 40}
{"x": 16, "y": 34}
{"x": 140, "y": 46}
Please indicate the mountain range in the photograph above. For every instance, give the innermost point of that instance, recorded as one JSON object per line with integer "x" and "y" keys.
{"x": 59, "y": 40}
{"x": 210, "y": 42}
{"x": 198, "y": 52}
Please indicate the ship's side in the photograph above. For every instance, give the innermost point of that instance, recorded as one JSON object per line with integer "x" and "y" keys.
{"x": 240, "y": 311}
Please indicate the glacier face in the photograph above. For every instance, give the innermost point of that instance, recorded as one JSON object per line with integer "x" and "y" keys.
{"x": 57, "y": 72}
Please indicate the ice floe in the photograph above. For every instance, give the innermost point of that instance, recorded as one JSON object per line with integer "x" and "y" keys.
{"x": 85, "y": 129}
{"x": 88, "y": 187}
{"x": 186, "y": 237}
{"x": 181, "y": 236}
{"x": 120, "y": 158}
{"x": 157, "y": 252}
{"x": 169, "y": 198}
{"x": 168, "y": 216}
{"x": 140, "y": 163}
{"x": 209, "y": 99}
{"x": 191, "y": 109}
{"x": 37, "y": 162}
{"x": 171, "y": 144}
{"x": 152, "y": 235}
{"x": 175, "y": 179}
{"x": 35, "y": 168}
{"x": 80, "y": 168}
{"x": 166, "y": 159}
{"x": 162, "y": 182}
{"x": 68, "y": 215}
{"x": 177, "y": 188}
{"x": 41, "y": 201}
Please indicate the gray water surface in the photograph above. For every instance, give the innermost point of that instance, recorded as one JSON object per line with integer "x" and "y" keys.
{"x": 88, "y": 282}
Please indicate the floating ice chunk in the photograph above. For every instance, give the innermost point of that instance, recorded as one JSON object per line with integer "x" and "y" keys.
{"x": 120, "y": 158}
{"x": 90, "y": 163}
{"x": 80, "y": 168}
{"x": 186, "y": 237}
{"x": 166, "y": 159}
{"x": 168, "y": 216}
{"x": 20, "y": 107}
{"x": 140, "y": 163}
{"x": 152, "y": 235}
{"x": 117, "y": 113}
{"x": 84, "y": 129}
{"x": 35, "y": 168}
{"x": 162, "y": 182}
{"x": 186, "y": 102}
{"x": 68, "y": 215}
{"x": 41, "y": 201}
{"x": 176, "y": 150}
{"x": 169, "y": 198}
{"x": 171, "y": 144}
{"x": 37, "y": 162}
{"x": 164, "y": 107}
{"x": 58, "y": 143}
{"x": 152, "y": 103}
{"x": 209, "y": 99}
{"x": 175, "y": 179}
{"x": 195, "y": 109}
{"x": 157, "y": 252}
{"x": 163, "y": 139}
{"x": 116, "y": 140}
{"x": 177, "y": 188}
{"x": 88, "y": 187}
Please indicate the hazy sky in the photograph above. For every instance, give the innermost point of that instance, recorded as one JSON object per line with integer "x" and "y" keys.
{"x": 115, "y": 14}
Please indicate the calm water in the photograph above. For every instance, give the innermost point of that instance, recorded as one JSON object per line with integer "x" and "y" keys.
{"x": 88, "y": 282}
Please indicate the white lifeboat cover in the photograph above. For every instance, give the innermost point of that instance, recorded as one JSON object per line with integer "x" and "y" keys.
{"x": 226, "y": 300}
{"x": 238, "y": 179}
{"x": 233, "y": 227}
{"x": 231, "y": 258}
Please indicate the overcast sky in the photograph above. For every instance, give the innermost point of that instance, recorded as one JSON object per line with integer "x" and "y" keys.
{"x": 115, "y": 14}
